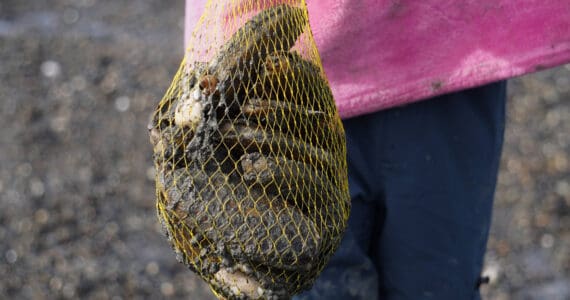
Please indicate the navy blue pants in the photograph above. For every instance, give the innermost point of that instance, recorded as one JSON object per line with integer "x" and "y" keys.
{"x": 422, "y": 179}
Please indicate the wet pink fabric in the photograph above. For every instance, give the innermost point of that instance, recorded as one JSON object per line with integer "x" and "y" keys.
{"x": 384, "y": 53}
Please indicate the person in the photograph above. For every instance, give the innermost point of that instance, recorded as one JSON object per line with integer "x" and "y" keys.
{"x": 422, "y": 175}
{"x": 420, "y": 87}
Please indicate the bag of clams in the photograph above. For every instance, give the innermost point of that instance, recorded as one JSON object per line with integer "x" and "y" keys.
{"x": 250, "y": 155}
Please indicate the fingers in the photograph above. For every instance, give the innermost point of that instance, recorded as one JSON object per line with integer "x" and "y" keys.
{"x": 274, "y": 29}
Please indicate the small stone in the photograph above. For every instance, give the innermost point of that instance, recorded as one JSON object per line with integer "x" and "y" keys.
{"x": 24, "y": 170}
{"x": 167, "y": 289}
{"x": 152, "y": 268}
{"x": 150, "y": 173}
{"x": 59, "y": 123}
{"x": 558, "y": 163}
{"x": 11, "y": 256}
{"x": 55, "y": 283}
{"x": 41, "y": 216}
{"x": 50, "y": 69}
{"x": 553, "y": 118}
{"x": 68, "y": 291}
{"x": 492, "y": 270}
{"x": 36, "y": 187}
{"x": 122, "y": 103}
{"x": 109, "y": 83}
{"x": 563, "y": 188}
{"x": 547, "y": 241}
{"x": 503, "y": 248}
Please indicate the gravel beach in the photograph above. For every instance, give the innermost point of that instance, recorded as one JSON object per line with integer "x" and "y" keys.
{"x": 77, "y": 205}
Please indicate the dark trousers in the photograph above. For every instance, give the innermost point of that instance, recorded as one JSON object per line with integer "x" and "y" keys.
{"x": 422, "y": 179}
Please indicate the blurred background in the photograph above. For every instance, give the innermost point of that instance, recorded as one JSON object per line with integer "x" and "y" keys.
{"x": 79, "y": 79}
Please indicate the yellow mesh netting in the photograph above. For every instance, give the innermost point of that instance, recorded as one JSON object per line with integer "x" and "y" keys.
{"x": 249, "y": 151}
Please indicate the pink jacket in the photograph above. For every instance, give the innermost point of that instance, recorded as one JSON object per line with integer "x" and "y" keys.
{"x": 383, "y": 53}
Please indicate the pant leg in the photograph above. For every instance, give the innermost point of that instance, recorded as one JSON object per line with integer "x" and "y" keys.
{"x": 399, "y": 153}
{"x": 351, "y": 273}
{"x": 439, "y": 183}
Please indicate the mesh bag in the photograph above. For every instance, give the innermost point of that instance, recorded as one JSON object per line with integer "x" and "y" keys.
{"x": 250, "y": 154}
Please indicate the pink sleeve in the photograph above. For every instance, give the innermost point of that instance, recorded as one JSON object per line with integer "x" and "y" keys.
{"x": 192, "y": 13}
{"x": 383, "y": 53}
